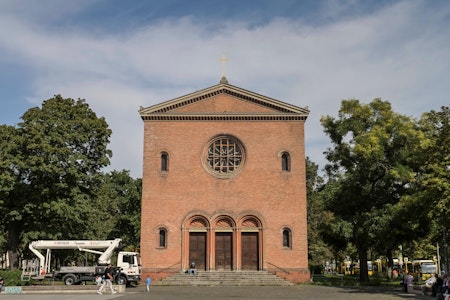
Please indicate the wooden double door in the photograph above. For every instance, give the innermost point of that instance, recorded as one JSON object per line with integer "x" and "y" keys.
{"x": 197, "y": 249}
{"x": 224, "y": 251}
{"x": 223, "y": 254}
{"x": 250, "y": 251}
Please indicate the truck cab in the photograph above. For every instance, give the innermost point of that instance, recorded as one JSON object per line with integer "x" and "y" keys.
{"x": 127, "y": 270}
{"x": 130, "y": 267}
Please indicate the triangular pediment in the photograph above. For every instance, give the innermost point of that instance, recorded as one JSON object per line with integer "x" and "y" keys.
{"x": 223, "y": 101}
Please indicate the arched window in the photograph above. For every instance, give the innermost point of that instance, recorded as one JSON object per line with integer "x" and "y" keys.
{"x": 287, "y": 243}
{"x": 285, "y": 162}
{"x": 164, "y": 161}
{"x": 162, "y": 238}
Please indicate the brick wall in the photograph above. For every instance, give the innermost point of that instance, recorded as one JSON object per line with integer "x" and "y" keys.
{"x": 276, "y": 197}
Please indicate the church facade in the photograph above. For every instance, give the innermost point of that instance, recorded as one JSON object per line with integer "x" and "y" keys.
{"x": 224, "y": 184}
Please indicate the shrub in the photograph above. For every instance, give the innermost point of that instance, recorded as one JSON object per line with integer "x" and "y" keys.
{"x": 12, "y": 277}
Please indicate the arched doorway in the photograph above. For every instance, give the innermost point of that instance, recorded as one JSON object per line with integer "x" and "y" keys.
{"x": 198, "y": 242}
{"x": 250, "y": 243}
{"x": 223, "y": 243}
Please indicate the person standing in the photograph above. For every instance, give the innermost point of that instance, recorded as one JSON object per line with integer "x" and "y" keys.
{"x": 403, "y": 280}
{"x": 438, "y": 286}
{"x": 148, "y": 281}
{"x": 409, "y": 282}
{"x": 444, "y": 288}
{"x": 107, "y": 281}
{"x": 429, "y": 284}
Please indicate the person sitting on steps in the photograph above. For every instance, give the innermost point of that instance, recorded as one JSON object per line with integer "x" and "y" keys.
{"x": 192, "y": 269}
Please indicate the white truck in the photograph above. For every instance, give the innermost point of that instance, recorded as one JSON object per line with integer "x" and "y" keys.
{"x": 127, "y": 270}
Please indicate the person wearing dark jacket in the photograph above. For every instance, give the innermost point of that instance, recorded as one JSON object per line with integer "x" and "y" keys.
{"x": 107, "y": 280}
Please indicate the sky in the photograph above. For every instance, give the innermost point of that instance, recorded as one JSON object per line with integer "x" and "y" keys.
{"x": 121, "y": 55}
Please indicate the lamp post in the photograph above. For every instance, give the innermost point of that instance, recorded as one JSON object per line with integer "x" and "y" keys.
{"x": 445, "y": 250}
{"x": 438, "y": 259}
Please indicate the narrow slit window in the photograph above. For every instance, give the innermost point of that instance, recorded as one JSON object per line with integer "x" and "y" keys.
{"x": 164, "y": 162}
{"x": 285, "y": 162}
{"x": 162, "y": 238}
{"x": 287, "y": 238}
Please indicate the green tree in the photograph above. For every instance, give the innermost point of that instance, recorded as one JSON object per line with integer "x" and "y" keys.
{"x": 433, "y": 179}
{"x": 369, "y": 168}
{"x": 9, "y": 162}
{"x": 119, "y": 205}
{"x": 335, "y": 231}
{"x": 435, "y": 164}
{"x": 318, "y": 250}
{"x": 60, "y": 150}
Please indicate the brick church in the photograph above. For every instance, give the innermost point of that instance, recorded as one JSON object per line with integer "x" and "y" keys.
{"x": 224, "y": 184}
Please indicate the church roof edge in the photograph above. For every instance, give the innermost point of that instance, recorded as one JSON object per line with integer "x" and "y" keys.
{"x": 223, "y": 87}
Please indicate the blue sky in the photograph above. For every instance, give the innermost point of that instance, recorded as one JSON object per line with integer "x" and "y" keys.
{"x": 120, "y": 55}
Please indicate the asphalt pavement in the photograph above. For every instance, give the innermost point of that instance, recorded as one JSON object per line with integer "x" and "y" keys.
{"x": 309, "y": 292}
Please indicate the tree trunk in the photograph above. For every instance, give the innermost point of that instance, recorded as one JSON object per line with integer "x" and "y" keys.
{"x": 363, "y": 270}
{"x": 13, "y": 244}
{"x": 390, "y": 263}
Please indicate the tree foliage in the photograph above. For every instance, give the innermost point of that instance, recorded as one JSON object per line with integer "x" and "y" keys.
{"x": 318, "y": 250}
{"x": 369, "y": 169}
{"x": 60, "y": 150}
{"x": 434, "y": 176}
{"x": 9, "y": 161}
{"x": 119, "y": 202}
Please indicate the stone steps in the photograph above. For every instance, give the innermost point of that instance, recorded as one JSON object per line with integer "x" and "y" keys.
{"x": 224, "y": 278}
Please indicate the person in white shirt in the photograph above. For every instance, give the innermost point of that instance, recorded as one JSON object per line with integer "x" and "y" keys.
{"x": 429, "y": 283}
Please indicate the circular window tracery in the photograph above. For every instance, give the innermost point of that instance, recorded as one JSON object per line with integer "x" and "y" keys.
{"x": 224, "y": 156}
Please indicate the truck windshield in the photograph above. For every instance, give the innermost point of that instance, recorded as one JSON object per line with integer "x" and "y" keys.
{"x": 428, "y": 269}
{"x": 132, "y": 259}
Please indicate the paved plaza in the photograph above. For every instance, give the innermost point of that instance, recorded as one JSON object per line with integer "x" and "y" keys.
{"x": 309, "y": 292}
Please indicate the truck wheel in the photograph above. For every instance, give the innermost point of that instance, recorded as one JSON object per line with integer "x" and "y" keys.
{"x": 122, "y": 280}
{"x": 69, "y": 279}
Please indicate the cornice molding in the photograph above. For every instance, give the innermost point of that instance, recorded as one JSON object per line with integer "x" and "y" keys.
{"x": 222, "y": 117}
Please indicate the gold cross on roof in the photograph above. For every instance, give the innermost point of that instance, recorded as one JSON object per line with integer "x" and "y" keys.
{"x": 224, "y": 65}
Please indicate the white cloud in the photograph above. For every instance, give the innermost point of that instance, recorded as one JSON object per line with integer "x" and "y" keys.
{"x": 399, "y": 53}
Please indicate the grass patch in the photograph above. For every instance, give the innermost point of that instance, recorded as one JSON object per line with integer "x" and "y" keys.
{"x": 351, "y": 280}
